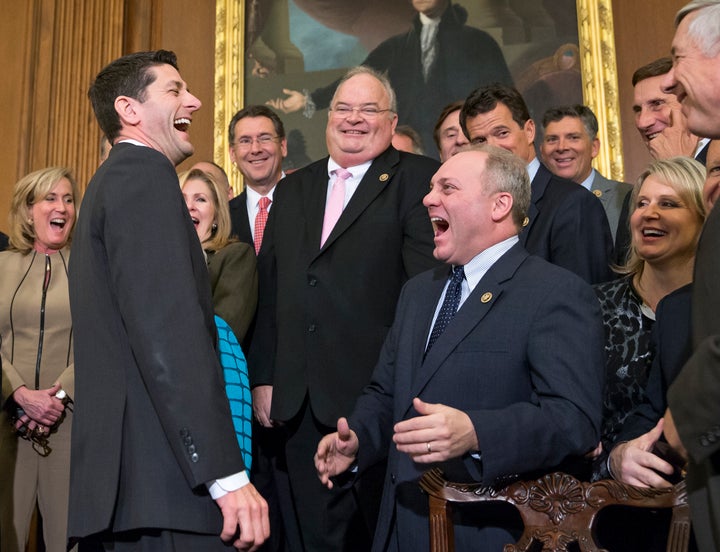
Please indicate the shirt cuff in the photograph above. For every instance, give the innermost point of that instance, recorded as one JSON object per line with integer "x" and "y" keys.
{"x": 225, "y": 485}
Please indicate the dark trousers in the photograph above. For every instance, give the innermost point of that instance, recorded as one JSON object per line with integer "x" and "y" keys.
{"x": 327, "y": 519}
{"x": 153, "y": 540}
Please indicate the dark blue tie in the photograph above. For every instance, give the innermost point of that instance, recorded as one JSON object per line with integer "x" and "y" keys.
{"x": 449, "y": 306}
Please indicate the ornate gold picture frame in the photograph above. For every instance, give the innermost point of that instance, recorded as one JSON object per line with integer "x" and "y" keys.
{"x": 598, "y": 70}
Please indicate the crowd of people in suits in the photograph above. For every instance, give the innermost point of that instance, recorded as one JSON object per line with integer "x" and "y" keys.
{"x": 503, "y": 313}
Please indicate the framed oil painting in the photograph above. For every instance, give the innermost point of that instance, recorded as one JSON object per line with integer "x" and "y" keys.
{"x": 289, "y": 54}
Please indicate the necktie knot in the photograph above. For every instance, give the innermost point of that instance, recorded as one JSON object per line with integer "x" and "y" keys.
{"x": 264, "y": 202}
{"x": 342, "y": 174}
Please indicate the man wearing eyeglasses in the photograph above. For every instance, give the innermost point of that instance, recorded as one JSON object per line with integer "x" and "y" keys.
{"x": 344, "y": 235}
{"x": 257, "y": 148}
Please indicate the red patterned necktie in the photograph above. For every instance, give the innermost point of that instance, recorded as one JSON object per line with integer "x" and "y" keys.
{"x": 335, "y": 203}
{"x": 260, "y": 220}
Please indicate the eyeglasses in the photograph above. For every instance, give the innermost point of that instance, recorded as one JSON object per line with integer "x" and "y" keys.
{"x": 246, "y": 142}
{"x": 367, "y": 111}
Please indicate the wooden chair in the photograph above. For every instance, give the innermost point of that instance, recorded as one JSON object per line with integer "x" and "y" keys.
{"x": 556, "y": 509}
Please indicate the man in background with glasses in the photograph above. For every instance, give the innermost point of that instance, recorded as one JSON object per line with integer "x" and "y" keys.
{"x": 344, "y": 235}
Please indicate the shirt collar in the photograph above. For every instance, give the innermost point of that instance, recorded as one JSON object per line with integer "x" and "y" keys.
{"x": 533, "y": 167}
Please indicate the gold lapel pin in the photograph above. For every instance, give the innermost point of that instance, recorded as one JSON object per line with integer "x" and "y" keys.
{"x": 526, "y": 222}
{"x": 597, "y": 193}
{"x": 384, "y": 177}
{"x": 486, "y": 297}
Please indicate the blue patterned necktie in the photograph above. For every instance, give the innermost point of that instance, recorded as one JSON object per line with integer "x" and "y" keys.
{"x": 449, "y": 306}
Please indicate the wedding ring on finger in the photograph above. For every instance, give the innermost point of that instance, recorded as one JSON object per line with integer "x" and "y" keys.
{"x": 429, "y": 449}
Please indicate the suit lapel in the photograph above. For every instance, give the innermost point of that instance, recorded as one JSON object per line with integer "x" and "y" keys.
{"x": 537, "y": 190}
{"x": 602, "y": 185}
{"x": 316, "y": 185}
{"x": 482, "y": 299}
{"x": 377, "y": 177}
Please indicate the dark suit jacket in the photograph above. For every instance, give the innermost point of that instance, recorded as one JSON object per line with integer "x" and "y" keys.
{"x": 466, "y": 59}
{"x": 151, "y": 423}
{"x": 3, "y": 242}
{"x": 694, "y": 397}
{"x": 239, "y": 219}
{"x": 323, "y": 313}
{"x": 568, "y": 227}
{"x": 526, "y": 365}
{"x": 672, "y": 347}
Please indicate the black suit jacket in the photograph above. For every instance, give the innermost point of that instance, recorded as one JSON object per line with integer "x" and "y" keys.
{"x": 323, "y": 313}
{"x": 239, "y": 219}
{"x": 694, "y": 397}
{"x": 523, "y": 358}
{"x": 3, "y": 242}
{"x": 567, "y": 226}
{"x": 672, "y": 346}
{"x": 151, "y": 422}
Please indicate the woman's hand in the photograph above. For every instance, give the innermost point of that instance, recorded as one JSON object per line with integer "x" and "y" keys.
{"x": 41, "y": 407}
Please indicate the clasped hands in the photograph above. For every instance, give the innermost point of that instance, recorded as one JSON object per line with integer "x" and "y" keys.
{"x": 437, "y": 434}
{"x": 41, "y": 409}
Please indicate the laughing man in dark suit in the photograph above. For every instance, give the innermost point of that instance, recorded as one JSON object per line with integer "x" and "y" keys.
{"x": 155, "y": 461}
{"x": 566, "y": 224}
{"x": 324, "y": 307}
{"x": 507, "y": 389}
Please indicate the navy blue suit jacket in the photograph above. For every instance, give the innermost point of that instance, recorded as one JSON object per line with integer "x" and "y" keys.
{"x": 568, "y": 227}
{"x": 523, "y": 357}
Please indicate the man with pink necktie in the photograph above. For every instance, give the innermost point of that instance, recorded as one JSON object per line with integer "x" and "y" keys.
{"x": 345, "y": 233}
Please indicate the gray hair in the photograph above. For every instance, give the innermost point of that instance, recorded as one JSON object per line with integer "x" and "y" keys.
{"x": 382, "y": 77}
{"x": 506, "y": 172}
{"x": 705, "y": 30}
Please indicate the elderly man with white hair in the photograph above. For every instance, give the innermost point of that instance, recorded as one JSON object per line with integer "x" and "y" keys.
{"x": 692, "y": 422}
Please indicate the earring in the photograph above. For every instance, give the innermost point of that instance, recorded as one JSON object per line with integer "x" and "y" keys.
{"x": 214, "y": 226}
{"x": 30, "y": 221}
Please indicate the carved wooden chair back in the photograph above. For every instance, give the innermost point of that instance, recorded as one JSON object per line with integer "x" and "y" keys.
{"x": 556, "y": 509}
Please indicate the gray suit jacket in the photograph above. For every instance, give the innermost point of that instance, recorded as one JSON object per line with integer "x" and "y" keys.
{"x": 612, "y": 194}
{"x": 523, "y": 357}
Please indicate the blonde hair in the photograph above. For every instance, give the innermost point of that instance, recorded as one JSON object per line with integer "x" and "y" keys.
{"x": 684, "y": 175}
{"x": 28, "y": 190}
{"x": 221, "y": 228}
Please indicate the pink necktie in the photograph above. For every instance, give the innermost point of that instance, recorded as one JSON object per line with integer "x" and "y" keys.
{"x": 260, "y": 220}
{"x": 335, "y": 203}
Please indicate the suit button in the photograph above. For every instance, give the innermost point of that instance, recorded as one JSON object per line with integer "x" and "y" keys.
{"x": 184, "y": 432}
{"x": 312, "y": 282}
{"x": 392, "y": 478}
{"x": 191, "y": 449}
{"x": 704, "y": 441}
{"x": 188, "y": 441}
{"x": 194, "y": 457}
{"x": 711, "y": 437}
{"x": 312, "y": 328}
